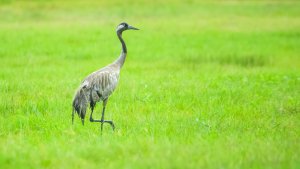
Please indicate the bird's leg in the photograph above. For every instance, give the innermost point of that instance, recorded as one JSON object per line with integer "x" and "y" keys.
{"x": 110, "y": 122}
{"x": 102, "y": 118}
{"x": 91, "y": 116}
{"x": 103, "y": 111}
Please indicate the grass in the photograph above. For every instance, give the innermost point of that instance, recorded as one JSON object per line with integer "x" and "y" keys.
{"x": 205, "y": 85}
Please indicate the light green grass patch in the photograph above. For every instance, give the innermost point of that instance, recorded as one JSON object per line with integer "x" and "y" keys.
{"x": 205, "y": 85}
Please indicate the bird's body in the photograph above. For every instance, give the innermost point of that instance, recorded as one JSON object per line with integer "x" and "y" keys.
{"x": 103, "y": 81}
{"x": 99, "y": 85}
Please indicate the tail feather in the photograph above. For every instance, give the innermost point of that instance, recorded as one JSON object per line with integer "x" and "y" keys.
{"x": 80, "y": 104}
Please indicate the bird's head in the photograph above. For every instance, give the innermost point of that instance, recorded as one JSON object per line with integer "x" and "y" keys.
{"x": 124, "y": 26}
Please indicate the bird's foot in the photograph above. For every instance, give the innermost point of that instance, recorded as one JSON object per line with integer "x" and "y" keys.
{"x": 111, "y": 123}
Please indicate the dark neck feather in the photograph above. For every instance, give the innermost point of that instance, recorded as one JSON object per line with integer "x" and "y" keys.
{"x": 120, "y": 61}
{"x": 124, "y": 49}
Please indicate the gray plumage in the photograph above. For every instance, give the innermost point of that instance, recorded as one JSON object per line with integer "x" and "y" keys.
{"x": 96, "y": 87}
{"x": 99, "y": 85}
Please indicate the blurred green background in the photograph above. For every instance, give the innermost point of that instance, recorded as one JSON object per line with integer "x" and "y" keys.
{"x": 206, "y": 84}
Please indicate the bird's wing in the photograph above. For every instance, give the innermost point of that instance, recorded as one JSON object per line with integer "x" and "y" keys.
{"x": 103, "y": 82}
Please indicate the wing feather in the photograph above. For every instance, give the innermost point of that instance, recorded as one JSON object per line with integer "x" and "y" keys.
{"x": 104, "y": 82}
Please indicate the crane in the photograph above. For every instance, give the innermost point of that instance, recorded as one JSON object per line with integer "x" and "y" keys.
{"x": 99, "y": 85}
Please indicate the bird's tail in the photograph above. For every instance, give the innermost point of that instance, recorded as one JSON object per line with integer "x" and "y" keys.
{"x": 80, "y": 104}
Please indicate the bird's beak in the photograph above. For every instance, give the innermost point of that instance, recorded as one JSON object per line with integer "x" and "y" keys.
{"x": 133, "y": 28}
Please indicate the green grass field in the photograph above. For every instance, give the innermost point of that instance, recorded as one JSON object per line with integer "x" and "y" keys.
{"x": 211, "y": 84}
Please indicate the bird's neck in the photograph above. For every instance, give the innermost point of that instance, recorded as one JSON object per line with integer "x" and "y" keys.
{"x": 120, "y": 61}
{"x": 124, "y": 49}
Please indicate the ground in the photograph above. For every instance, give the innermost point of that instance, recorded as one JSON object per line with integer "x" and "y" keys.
{"x": 212, "y": 84}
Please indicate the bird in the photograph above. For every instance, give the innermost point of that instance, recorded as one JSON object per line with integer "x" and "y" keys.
{"x": 99, "y": 85}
